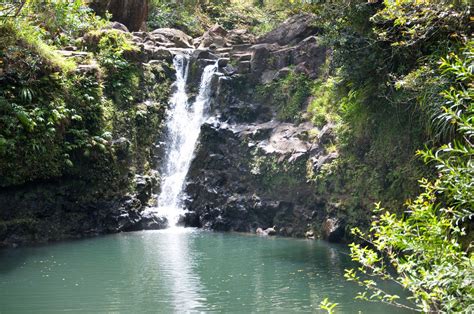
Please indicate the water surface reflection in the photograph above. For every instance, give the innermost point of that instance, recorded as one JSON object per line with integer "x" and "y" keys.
{"x": 178, "y": 270}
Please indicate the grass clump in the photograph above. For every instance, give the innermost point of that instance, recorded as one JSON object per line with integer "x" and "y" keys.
{"x": 323, "y": 107}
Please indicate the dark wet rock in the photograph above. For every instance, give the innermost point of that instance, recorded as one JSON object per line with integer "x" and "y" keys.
{"x": 62, "y": 210}
{"x": 150, "y": 221}
{"x": 191, "y": 219}
{"x": 222, "y": 62}
{"x": 224, "y": 192}
{"x": 243, "y": 67}
{"x": 122, "y": 147}
{"x": 203, "y": 54}
{"x": 292, "y": 31}
{"x": 144, "y": 187}
{"x": 229, "y": 187}
{"x": 333, "y": 230}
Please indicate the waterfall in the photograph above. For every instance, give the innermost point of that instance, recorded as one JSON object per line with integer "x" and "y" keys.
{"x": 183, "y": 126}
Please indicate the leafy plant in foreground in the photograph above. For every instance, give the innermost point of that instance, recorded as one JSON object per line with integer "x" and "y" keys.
{"x": 422, "y": 250}
{"x": 328, "y": 306}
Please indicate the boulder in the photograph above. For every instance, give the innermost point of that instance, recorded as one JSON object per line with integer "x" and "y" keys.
{"x": 327, "y": 134}
{"x": 260, "y": 57}
{"x": 218, "y": 30}
{"x": 118, "y": 26}
{"x": 306, "y": 56}
{"x": 89, "y": 69}
{"x": 320, "y": 160}
{"x": 292, "y": 31}
{"x": 150, "y": 221}
{"x": 266, "y": 232}
{"x": 122, "y": 147}
{"x": 309, "y": 234}
{"x": 243, "y": 67}
{"x": 332, "y": 230}
{"x": 217, "y": 38}
{"x": 203, "y": 54}
{"x": 282, "y": 73}
{"x": 309, "y": 56}
{"x": 177, "y": 37}
{"x": 157, "y": 53}
{"x": 239, "y": 37}
{"x": 213, "y": 38}
{"x": 191, "y": 219}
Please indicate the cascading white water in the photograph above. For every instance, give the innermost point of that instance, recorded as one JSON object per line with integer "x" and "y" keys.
{"x": 183, "y": 126}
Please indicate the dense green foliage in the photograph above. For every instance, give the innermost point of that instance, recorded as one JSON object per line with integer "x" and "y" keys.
{"x": 62, "y": 110}
{"x": 424, "y": 246}
{"x": 42, "y": 103}
{"x": 400, "y": 79}
{"x": 195, "y": 16}
{"x": 398, "y": 99}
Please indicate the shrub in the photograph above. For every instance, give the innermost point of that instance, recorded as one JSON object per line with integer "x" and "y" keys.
{"x": 423, "y": 246}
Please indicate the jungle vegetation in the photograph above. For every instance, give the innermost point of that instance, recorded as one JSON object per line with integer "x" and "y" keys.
{"x": 399, "y": 88}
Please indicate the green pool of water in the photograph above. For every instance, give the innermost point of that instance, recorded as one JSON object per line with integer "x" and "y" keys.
{"x": 178, "y": 270}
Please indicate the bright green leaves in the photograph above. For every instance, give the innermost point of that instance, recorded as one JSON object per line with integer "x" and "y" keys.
{"x": 121, "y": 76}
{"x": 328, "y": 306}
{"x": 423, "y": 245}
{"x": 420, "y": 247}
{"x": 414, "y": 22}
{"x": 59, "y": 22}
{"x": 323, "y": 107}
{"x": 24, "y": 118}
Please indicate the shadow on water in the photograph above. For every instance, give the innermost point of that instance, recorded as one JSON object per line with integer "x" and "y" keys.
{"x": 13, "y": 257}
{"x": 10, "y": 259}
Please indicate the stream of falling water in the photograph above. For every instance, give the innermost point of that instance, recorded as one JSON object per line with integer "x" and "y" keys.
{"x": 183, "y": 126}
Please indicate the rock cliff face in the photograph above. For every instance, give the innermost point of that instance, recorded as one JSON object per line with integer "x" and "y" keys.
{"x": 250, "y": 168}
